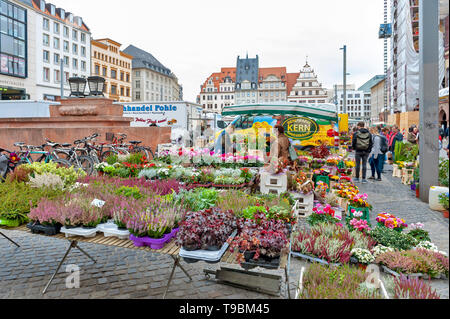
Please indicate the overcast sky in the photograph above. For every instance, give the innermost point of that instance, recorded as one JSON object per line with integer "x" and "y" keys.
{"x": 195, "y": 38}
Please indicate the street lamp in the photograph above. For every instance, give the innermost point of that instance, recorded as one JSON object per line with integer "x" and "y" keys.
{"x": 96, "y": 85}
{"x": 345, "y": 78}
{"x": 77, "y": 86}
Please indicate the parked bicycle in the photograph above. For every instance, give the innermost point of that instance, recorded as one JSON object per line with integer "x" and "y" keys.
{"x": 26, "y": 153}
{"x": 71, "y": 154}
{"x": 134, "y": 146}
{"x": 8, "y": 162}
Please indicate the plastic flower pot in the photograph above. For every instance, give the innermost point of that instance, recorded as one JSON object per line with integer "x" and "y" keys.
{"x": 445, "y": 213}
{"x": 49, "y": 230}
{"x": 417, "y": 191}
{"x": 324, "y": 179}
{"x": 9, "y": 223}
{"x": 155, "y": 244}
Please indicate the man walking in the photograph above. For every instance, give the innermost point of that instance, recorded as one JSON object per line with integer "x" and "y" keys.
{"x": 362, "y": 144}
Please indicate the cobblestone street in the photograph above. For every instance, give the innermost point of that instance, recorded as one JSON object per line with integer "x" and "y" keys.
{"x": 125, "y": 273}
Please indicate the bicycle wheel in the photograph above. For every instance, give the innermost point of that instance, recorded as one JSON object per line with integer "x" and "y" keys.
{"x": 108, "y": 153}
{"x": 63, "y": 155}
{"x": 62, "y": 162}
{"x": 122, "y": 151}
{"x": 86, "y": 164}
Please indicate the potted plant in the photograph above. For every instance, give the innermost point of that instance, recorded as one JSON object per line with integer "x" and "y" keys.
{"x": 443, "y": 200}
{"x": 392, "y": 222}
{"x": 45, "y": 217}
{"x": 359, "y": 203}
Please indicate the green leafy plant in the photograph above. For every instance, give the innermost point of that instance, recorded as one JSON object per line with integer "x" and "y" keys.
{"x": 129, "y": 192}
{"x": 250, "y": 212}
{"x": 394, "y": 239}
{"x": 443, "y": 173}
{"x": 443, "y": 200}
{"x": 112, "y": 159}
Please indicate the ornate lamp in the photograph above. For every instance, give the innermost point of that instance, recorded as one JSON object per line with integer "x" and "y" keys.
{"x": 77, "y": 86}
{"x": 96, "y": 85}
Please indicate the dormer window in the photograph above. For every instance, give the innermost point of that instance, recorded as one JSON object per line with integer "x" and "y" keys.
{"x": 42, "y": 5}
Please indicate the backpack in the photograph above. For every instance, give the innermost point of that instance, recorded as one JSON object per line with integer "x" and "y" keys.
{"x": 363, "y": 141}
{"x": 384, "y": 148}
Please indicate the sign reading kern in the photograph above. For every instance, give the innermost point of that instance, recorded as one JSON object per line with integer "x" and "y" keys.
{"x": 300, "y": 128}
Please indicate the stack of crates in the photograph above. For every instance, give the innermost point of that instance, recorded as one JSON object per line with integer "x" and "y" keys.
{"x": 304, "y": 205}
{"x": 273, "y": 184}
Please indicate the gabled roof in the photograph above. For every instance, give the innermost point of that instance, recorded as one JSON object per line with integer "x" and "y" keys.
{"x": 143, "y": 59}
{"x": 218, "y": 78}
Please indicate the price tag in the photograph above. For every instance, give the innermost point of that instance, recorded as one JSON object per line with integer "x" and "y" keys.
{"x": 98, "y": 203}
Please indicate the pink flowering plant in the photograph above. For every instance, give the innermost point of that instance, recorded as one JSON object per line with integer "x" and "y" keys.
{"x": 357, "y": 223}
{"x": 392, "y": 222}
{"x": 323, "y": 214}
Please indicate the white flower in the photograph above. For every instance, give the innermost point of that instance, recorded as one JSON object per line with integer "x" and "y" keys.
{"x": 363, "y": 255}
{"x": 427, "y": 245}
{"x": 380, "y": 249}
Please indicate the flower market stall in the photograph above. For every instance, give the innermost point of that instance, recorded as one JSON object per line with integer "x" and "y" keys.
{"x": 195, "y": 205}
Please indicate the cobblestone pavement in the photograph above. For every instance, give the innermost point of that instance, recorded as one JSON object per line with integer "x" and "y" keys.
{"x": 126, "y": 273}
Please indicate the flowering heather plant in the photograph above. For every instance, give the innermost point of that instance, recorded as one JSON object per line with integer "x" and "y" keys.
{"x": 323, "y": 282}
{"x": 47, "y": 212}
{"x": 415, "y": 261}
{"x": 413, "y": 288}
{"x": 364, "y": 256}
{"x": 380, "y": 249}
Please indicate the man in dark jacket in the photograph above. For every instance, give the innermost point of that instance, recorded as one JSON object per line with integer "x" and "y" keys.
{"x": 362, "y": 144}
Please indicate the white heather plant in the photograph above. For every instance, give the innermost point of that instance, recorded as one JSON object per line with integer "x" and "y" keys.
{"x": 427, "y": 245}
{"x": 380, "y": 249}
{"x": 49, "y": 180}
{"x": 363, "y": 255}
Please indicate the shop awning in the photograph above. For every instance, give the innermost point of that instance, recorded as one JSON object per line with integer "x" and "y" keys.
{"x": 320, "y": 111}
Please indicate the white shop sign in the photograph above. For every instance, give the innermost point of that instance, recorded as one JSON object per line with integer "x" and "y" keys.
{"x": 162, "y": 115}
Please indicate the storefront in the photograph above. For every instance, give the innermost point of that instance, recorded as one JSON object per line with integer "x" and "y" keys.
{"x": 10, "y": 93}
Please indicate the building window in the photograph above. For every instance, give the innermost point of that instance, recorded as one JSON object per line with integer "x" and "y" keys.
{"x": 46, "y": 75}
{"x": 138, "y": 85}
{"x": 46, "y": 24}
{"x": 97, "y": 69}
{"x": 128, "y": 77}
{"x": 46, "y": 56}
{"x": 46, "y": 40}
{"x": 138, "y": 73}
{"x": 66, "y": 32}
{"x": 113, "y": 90}
{"x": 122, "y": 91}
{"x": 66, "y": 46}
{"x": 113, "y": 74}
{"x": 56, "y": 58}
{"x": 75, "y": 35}
{"x": 66, "y": 61}
{"x": 75, "y": 64}
{"x": 122, "y": 76}
{"x": 57, "y": 76}
{"x": 83, "y": 37}
{"x": 56, "y": 43}
{"x": 104, "y": 70}
{"x": 66, "y": 77}
{"x": 56, "y": 27}
{"x": 75, "y": 49}
{"x": 83, "y": 51}
{"x": 138, "y": 95}
{"x": 83, "y": 65}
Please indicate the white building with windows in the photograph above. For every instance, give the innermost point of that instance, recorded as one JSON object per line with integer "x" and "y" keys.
{"x": 308, "y": 89}
{"x": 218, "y": 91}
{"x": 59, "y": 35}
{"x": 358, "y": 103}
{"x": 272, "y": 85}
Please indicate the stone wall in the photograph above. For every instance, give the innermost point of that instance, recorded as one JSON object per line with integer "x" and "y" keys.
{"x": 75, "y": 119}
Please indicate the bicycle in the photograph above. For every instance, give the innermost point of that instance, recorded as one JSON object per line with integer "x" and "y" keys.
{"x": 27, "y": 150}
{"x": 134, "y": 147}
{"x": 83, "y": 162}
{"x": 115, "y": 148}
{"x": 8, "y": 162}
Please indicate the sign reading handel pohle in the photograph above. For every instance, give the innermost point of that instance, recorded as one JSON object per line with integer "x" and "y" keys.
{"x": 300, "y": 128}
{"x": 161, "y": 115}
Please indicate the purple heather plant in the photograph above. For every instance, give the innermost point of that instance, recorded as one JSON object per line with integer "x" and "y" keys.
{"x": 47, "y": 212}
{"x": 413, "y": 288}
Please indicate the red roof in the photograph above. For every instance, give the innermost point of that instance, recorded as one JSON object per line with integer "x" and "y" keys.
{"x": 291, "y": 81}
{"x": 278, "y": 72}
{"x": 218, "y": 78}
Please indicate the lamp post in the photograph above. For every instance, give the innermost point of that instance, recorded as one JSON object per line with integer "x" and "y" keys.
{"x": 77, "y": 86}
{"x": 345, "y": 79}
{"x": 96, "y": 85}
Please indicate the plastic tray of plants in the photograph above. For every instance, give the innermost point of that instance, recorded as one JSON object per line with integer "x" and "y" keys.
{"x": 205, "y": 255}
{"x": 112, "y": 230}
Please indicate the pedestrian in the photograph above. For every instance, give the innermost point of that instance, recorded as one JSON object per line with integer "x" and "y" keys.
{"x": 362, "y": 144}
{"x": 384, "y": 133}
{"x": 376, "y": 156}
{"x": 412, "y": 138}
{"x": 395, "y": 137}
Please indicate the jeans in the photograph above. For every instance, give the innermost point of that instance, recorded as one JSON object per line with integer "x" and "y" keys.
{"x": 361, "y": 157}
{"x": 383, "y": 161}
{"x": 376, "y": 165}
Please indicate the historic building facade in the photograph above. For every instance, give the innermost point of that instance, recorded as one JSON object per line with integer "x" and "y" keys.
{"x": 113, "y": 65}
{"x": 307, "y": 89}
